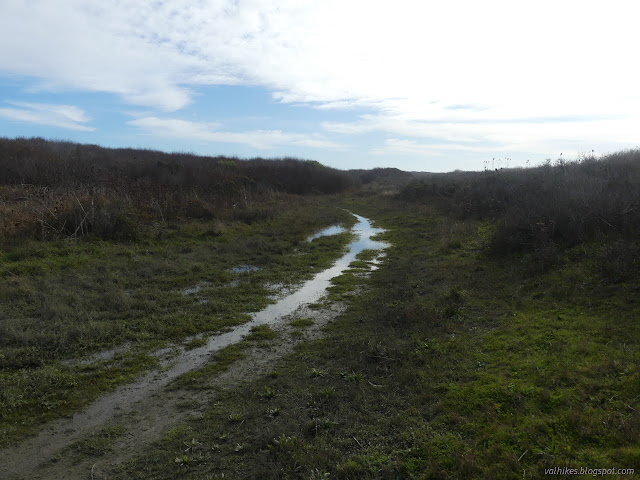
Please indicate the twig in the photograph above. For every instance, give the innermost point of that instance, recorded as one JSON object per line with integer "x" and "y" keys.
{"x": 525, "y": 452}
{"x": 604, "y": 221}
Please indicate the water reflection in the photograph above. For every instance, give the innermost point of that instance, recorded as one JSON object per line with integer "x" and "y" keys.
{"x": 332, "y": 230}
{"x": 311, "y": 291}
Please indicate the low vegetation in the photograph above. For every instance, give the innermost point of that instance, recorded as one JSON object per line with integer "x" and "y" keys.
{"x": 69, "y": 290}
{"x": 499, "y": 337}
{"x": 52, "y": 190}
{"x": 547, "y": 208}
{"x": 451, "y": 364}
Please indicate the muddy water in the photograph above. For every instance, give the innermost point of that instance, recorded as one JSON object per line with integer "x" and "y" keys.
{"x": 310, "y": 292}
{"x": 63, "y": 432}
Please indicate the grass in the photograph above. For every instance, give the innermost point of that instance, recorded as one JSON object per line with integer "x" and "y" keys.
{"x": 99, "y": 443}
{"x": 457, "y": 358}
{"x": 63, "y": 301}
{"x": 301, "y": 322}
{"x": 451, "y": 363}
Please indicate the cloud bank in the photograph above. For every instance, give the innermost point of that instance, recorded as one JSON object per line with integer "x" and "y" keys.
{"x": 64, "y": 116}
{"x": 496, "y": 75}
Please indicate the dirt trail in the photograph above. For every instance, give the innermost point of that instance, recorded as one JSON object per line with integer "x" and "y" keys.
{"x": 145, "y": 408}
{"x": 145, "y": 419}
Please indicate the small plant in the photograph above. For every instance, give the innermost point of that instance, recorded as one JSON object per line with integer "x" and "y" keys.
{"x": 302, "y": 322}
{"x": 290, "y": 445}
{"x": 296, "y": 333}
{"x": 328, "y": 393}
{"x": 268, "y": 393}
{"x": 320, "y": 424}
{"x": 262, "y": 332}
{"x": 99, "y": 443}
{"x": 196, "y": 343}
{"x": 317, "y": 474}
{"x": 351, "y": 377}
{"x": 273, "y": 412}
{"x": 236, "y": 417}
{"x": 318, "y": 373}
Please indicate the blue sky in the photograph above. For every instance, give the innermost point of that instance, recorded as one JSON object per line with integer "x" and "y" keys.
{"x": 430, "y": 86}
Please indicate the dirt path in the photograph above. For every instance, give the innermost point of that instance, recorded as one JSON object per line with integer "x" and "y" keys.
{"x": 145, "y": 408}
{"x": 149, "y": 411}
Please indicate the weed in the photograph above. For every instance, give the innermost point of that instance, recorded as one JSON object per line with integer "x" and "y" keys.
{"x": 351, "y": 377}
{"x": 268, "y": 393}
{"x": 301, "y": 322}
{"x": 273, "y": 412}
{"x": 262, "y": 333}
{"x": 236, "y": 417}
{"x": 317, "y": 474}
{"x": 196, "y": 342}
{"x": 328, "y": 393}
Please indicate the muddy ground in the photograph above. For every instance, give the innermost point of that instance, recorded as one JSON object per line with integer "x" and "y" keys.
{"x": 146, "y": 409}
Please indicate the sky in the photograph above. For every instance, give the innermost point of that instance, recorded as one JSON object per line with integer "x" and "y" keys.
{"x": 417, "y": 85}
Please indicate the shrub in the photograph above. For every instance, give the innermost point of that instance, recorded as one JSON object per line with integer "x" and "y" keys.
{"x": 51, "y": 189}
{"x": 619, "y": 260}
{"x": 544, "y": 207}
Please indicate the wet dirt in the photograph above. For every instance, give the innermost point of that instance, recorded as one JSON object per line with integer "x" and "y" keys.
{"x": 145, "y": 408}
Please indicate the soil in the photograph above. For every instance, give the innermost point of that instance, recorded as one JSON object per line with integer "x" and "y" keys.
{"x": 146, "y": 409}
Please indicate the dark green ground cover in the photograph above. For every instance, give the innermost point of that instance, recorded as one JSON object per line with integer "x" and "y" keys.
{"x": 66, "y": 299}
{"x": 451, "y": 362}
{"x": 499, "y": 338}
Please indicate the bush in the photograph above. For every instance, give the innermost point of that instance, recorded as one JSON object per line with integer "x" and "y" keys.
{"x": 52, "y": 189}
{"x": 545, "y": 207}
{"x": 619, "y": 261}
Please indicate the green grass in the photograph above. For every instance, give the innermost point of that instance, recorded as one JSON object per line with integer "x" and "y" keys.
{"x": 451, "y": 363}
{"x": 99, "y": 443}
{"x": 65, "y": 300}
{"x": 301, "y": 322}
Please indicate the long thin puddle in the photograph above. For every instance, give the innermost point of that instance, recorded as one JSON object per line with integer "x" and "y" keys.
{"x": 310, "y": 292}
{"x": 125, "y": 397}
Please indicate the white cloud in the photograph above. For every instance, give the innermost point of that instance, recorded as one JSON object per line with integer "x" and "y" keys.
{"x": 497, "y": 53}
{"x": 460, "y": 71}
{"x": 63, "y": 116}
{"x": 210, "y": 132}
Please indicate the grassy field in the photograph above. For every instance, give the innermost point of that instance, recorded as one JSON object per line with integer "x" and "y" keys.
{"x": 63, "y": 300}
{"x": 451, "y": 363}
{"x": 499, "y": 338}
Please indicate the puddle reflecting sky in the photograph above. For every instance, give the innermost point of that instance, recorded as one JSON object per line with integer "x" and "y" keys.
{"x": 332, "y": 230}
